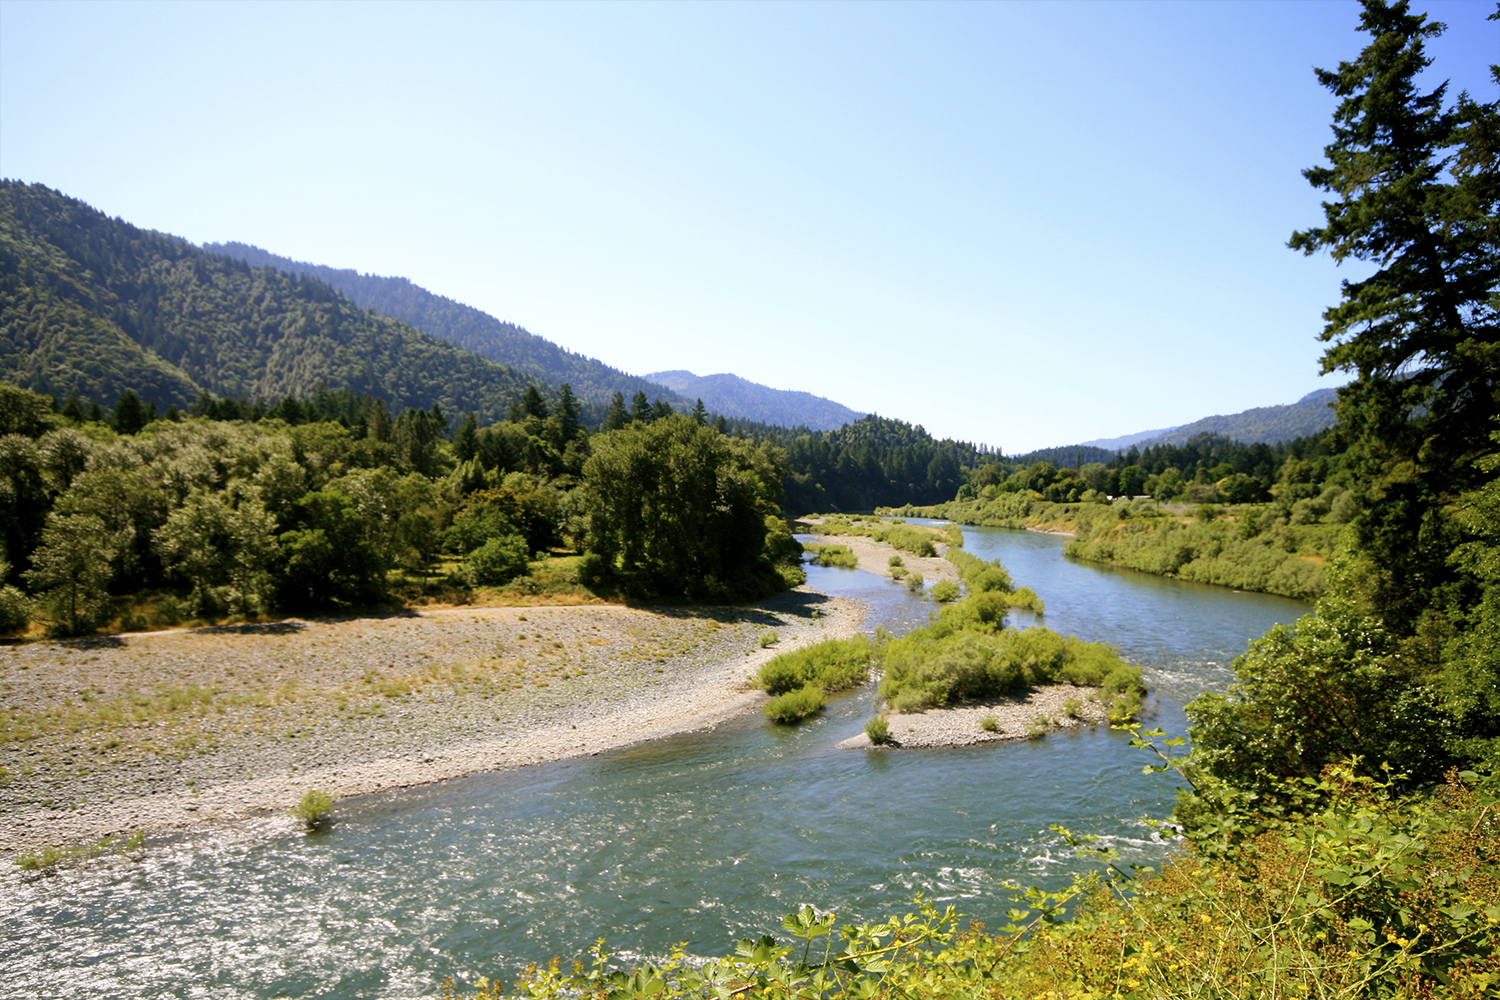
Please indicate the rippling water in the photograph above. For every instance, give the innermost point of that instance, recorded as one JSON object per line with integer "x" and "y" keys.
{"x": 701, "y": 838}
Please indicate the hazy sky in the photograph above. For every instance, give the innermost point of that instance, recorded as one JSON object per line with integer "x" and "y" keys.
{"x": 1022, "y": 224}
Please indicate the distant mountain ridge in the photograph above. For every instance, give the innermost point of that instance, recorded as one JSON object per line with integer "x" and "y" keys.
{"x": 1263, "y": 424}
{"x": 737, "y": 397}
{"x": 506, "y": 343}
{"x": 467, "y": 327}
{"x": 95, "y": 305}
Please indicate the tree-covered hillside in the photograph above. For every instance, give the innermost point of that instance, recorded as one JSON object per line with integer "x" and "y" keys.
{"x": 737, "y": 397}
{"x": 1261, "y": 425}
{"x": 473, "y": 330}
{"x": 95, "y": 306}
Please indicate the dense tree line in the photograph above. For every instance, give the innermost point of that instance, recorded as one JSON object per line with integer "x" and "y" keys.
{"x": 229, "y": 508}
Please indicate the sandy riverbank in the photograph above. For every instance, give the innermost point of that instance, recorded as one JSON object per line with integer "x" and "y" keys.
{"x": 171, "y": 730}
{"x": 875, "y": 557}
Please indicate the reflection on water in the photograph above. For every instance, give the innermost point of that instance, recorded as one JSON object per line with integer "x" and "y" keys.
{"x": 701, "y": 838}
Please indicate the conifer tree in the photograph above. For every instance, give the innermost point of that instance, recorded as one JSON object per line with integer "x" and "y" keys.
{"x": 1417, "y": 188}
{"x": 616, "y": 417}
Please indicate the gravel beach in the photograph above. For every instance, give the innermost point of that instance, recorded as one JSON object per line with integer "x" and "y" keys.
{"x": 115, "y": 734}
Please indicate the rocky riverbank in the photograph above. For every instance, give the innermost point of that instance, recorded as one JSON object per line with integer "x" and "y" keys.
{"x": 1031, "y": 713}
{"x": 114, "y": 734}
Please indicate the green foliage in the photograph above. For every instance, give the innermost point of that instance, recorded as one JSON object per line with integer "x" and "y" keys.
{"x": 71, "y": 570}
{"x": 69, "y": 854}
{"x": 768, "y": 638}
{"x": 966, "y": 656}
{"x": 326, "y": 561}
{"x": 945, "y": 591}
{"x": 677, "y": 509}
{"x": 1330, "y": 688}
{"x": 796, "y": 704}
{"x": 499, "y": 561}
{"x": 831, "y": 665}
{"x": 314, "y": 807}
{"x": 833, "y": 555}
{"x": 1284, "y": 556}
{"x": 878, "y": 730}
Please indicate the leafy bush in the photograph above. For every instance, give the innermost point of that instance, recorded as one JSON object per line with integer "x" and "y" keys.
{"x": 941, "y": 664}
{"x": 833, "y": 555}
{"x": 989, "y": 724}
{"x": 15, "y": 610}
{"x": 945, "y": 591}
{"x": 915, "y": 583}
{"x": 878, "y": 730}
{"x": 833, "y": 665}
{"x": 499, "y": 561}
{"x": 908, "y": 538}
{"x": 797, "y": 704}
{"x": 314, "y": 808}
{"x": 768, "y": 638}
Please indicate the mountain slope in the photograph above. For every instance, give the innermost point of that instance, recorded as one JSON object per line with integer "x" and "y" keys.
{"x": 466, "y": 327}
{"x": 1263, "y": 424}
{"x": 96, "y": 305}
{"x": 736, "y": 397}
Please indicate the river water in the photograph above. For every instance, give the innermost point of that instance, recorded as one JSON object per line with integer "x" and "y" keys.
{"x": 703, "y": 838}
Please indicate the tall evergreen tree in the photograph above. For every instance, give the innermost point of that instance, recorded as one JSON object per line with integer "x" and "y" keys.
{"x": 640, "y": 407}
{"x": 129, "y": 415}
{"x": 616, "y": 417}
{"x": 567, "y": 413}
{"x": 466, "y": 438}
{"x": 1417, "y": 186}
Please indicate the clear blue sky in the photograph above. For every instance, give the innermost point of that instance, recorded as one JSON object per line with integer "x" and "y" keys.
{"x": 1022, "y": 224}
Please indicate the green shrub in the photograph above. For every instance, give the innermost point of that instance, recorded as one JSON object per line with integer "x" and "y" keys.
{"x": 989, "y": 724}
{"x": 314, "y": 808}
{"x": 499, "y": 560}
{"x": 834, "y": 665}
{"x": 896, "y": 560}
{"x": 915, "y": 583}
{"x": 945, "y": 591}
{"x": 797, "y": 704}
{"x": 839, "y": 556}
{"x": 943, "y": 664}
{"x": 908, "y": 538}
{"x": 768, "y": 638}
{"x": 15, "y": 610}
{"x": 878, "y": 730}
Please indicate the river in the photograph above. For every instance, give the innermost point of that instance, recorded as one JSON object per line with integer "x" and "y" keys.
{"x": 703, "y": 838}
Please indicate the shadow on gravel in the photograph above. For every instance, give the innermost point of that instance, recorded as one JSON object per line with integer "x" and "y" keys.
{"x": 265, "y": 628}
{"x": 93, "y": 642}
{"x": 794, "y": 604}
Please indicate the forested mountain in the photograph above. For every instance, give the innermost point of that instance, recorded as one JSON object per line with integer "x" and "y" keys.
{"x": 96, "y": 306}
{"x": 1261, "y": 425}
{"x": 736, "y": 397}
{"x": 469, "y": 328}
